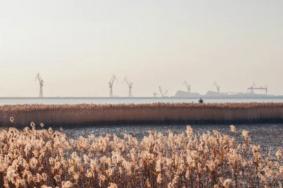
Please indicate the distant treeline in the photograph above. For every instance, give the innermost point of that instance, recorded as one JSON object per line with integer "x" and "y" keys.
{"x": 159, "y": 113}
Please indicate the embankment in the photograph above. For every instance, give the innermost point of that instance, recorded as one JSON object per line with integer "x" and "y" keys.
{"x": 79, "y": 115}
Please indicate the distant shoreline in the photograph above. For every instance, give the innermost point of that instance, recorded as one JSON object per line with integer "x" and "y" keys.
{"x": 171, "y": 97}
{"x": 129, "y": 114}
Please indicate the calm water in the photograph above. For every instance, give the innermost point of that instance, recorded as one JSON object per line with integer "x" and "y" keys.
{"x": 140, "y": 100}
{"x": 267, "y": 135}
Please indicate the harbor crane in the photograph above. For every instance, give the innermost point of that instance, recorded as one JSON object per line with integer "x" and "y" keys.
{"x": 188, "y": 86}
{"x": 253, "y": 88}
{"x": 39, "y": 79}
{"x": 217, "y": 87}
{"x": 130, "y": 86}
{"x": 162, "y": 93}
{"x": 111, "y": 85}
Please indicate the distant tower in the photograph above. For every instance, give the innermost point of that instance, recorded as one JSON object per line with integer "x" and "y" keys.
{"x": 111, "y": 85}
{"x": 187, "y": 86}
{"x": 41, "y": 84}
{"x": 130, "y": 86}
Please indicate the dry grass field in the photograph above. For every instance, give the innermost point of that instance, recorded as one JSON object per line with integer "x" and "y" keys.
{"x": 46, "y": 158}
{"x": 87, "y": 114}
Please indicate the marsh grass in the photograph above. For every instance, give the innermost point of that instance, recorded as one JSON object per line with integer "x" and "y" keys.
{"x": 84, "y": 114}
{"x": 46, "y": 158}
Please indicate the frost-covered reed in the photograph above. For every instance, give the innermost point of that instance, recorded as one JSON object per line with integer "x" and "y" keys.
{"x": 46, "y": 158}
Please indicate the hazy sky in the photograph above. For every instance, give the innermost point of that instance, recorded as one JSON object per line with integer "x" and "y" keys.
{"x": 77, "y": 45}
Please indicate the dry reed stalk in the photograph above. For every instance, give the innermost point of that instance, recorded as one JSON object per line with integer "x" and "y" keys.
{"x": 59, "y": 115}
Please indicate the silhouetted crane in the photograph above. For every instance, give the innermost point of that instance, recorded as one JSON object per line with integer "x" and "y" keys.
{"x": 162, "y": 93}
{"x": 41, "y": 84}
{"x": 217, "y": 87}
{"x": 111, "y": 85}
{"x": 130, "y": 86}
{"x": 254, "y": 87}
{"x": 188, "y": 86}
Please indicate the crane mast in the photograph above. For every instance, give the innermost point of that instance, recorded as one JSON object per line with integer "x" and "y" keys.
{"x": 130, "y": 86}
{"x": 111, "y": 85}
{"x": 41, "y": 84}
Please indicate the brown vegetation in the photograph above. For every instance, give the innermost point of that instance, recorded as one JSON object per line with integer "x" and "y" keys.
{"x": 47, "y": 158}
{"x": 60, "y": 115}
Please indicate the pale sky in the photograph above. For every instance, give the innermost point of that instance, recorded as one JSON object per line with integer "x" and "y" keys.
{"x": 77, "y": 45}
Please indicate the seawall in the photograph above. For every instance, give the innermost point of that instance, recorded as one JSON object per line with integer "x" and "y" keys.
{"x": 87, "y": 114}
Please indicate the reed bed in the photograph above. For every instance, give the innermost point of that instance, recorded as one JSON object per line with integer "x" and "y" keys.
{"x": 46, "y": 158}
{"x": 85, "y": 114}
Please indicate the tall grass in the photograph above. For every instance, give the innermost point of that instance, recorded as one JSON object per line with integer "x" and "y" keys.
{"x": 47, "y": 158}
{"x": 146, "y": 113}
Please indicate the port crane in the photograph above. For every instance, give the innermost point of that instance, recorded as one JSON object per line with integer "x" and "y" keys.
{"x": 130, "y": 86}
{"x": 162, "y": 93}
{"x": 111, "y": 85}
{"x": 188, "y": 86}
{"x": 217, "y": 87}
{"x": 254, "y": 87}
{"x": 41, "y": 84}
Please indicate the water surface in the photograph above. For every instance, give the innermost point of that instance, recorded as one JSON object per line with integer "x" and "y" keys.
{"x": 266, "y": 135}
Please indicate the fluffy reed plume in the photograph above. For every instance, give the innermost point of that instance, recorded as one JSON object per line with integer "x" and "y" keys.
{"x": 233, "y": 129}
{"x": 47, "y": 158}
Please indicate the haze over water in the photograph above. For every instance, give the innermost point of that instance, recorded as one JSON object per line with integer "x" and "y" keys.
{"x": 78, "y": 45}
{"x": 16, "y": 101}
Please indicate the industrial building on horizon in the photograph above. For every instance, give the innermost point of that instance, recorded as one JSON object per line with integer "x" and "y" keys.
{"x": 218, "y": 94}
